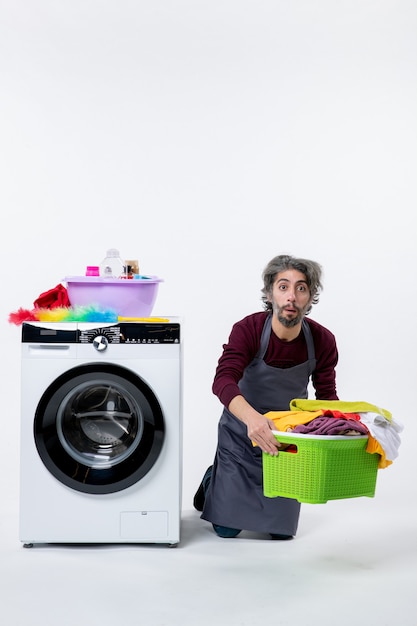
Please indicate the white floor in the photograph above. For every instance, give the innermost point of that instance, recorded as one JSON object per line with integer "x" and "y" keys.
{"x": 352, "y": 562}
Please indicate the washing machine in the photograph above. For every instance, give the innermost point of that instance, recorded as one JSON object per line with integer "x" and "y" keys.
{"x": 101, "y": 432}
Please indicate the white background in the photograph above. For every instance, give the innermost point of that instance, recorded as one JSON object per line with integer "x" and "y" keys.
{"x": 204, "y": 138}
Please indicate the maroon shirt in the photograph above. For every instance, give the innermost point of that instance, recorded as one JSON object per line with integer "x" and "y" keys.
{"x": 243, "y": 346}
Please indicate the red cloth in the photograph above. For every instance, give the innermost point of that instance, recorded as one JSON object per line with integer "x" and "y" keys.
{"x": 340, "y": 415}
{"x": 56, "y": 297}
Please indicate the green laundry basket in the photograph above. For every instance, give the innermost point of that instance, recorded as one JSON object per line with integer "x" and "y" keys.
{"x": 318, "y": 468}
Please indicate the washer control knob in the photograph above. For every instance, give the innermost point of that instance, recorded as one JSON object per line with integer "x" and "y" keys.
{"x": 100, "y": 343}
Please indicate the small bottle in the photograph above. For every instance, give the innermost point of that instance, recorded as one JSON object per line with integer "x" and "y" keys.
{"x": 134, "y": 264}
{"x": 128, "y": 272}
{"x": 92, "y": 270}
{"x": 112, "y": 265}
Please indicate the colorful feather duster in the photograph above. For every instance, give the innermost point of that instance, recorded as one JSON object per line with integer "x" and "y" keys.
{"x": 63, "y": 314}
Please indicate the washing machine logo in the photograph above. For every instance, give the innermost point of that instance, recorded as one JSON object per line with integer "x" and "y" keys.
{"x": 100, "y": 343}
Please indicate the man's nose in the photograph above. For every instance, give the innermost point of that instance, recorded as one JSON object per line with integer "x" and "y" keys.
{"x": 291, "y": 295}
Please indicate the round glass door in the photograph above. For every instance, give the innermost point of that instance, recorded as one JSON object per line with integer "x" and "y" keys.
{"x": 99, "y": 428}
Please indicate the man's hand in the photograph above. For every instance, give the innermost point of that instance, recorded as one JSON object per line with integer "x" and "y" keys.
{"x": 259, "y": 427}
{"x": 260, "y": 432}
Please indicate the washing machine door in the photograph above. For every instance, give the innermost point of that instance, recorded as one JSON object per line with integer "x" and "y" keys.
{"x": 99, "y": 428}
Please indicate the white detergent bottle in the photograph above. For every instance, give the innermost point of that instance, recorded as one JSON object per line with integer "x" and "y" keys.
{"x": 112, "y": 265}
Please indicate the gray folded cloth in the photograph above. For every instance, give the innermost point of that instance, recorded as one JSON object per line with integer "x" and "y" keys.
{"x": 331, "y": 426}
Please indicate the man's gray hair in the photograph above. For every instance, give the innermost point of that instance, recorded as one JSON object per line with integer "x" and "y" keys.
{"x": 311, "y": 270}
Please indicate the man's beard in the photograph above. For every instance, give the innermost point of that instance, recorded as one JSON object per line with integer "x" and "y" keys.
{"x": 288, "y": 323}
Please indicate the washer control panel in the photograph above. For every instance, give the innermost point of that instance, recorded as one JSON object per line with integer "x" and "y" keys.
{"x": 127, "y": 333}
{"x": 132, "y": 333}
{"x": 100, "y": 337}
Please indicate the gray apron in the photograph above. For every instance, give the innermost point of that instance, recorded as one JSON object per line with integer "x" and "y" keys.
{"x": 235, "y": 497}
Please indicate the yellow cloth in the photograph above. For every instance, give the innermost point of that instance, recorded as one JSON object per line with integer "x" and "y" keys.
{"x": 287, "y": 420}
{"x": 338, "y": 405}
{"x": 374, "y": 447}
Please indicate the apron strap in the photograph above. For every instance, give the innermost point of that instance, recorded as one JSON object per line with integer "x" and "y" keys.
{"x": 311, "y": 353}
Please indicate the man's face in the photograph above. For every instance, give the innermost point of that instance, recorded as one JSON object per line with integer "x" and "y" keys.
{"x": 290, "y": 297}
